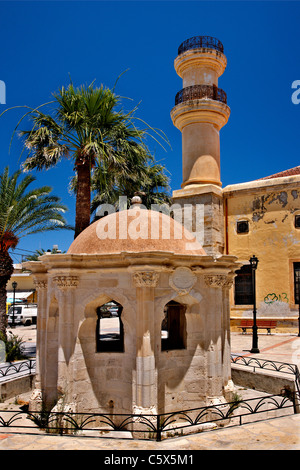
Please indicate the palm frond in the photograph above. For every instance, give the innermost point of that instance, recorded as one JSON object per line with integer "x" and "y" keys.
{"x": 89, "y": 125}
{"x": 24, "y": 211}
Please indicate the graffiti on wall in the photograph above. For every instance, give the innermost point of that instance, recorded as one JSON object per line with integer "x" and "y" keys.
{"x": 272, "y": 297}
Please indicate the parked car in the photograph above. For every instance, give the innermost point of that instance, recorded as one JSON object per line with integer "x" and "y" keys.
{"x": 25, "y": 314}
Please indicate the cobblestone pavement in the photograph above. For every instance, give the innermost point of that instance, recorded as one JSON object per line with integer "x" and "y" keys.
{"x": 273, "y": 434}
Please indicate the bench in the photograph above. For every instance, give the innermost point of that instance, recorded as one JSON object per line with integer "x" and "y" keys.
{"x": 261, "y": 324}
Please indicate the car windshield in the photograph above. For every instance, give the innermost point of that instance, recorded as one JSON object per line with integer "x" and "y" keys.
{"x": 14, "y": 310}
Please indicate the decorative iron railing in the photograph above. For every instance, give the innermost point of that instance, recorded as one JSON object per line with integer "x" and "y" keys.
{"x": 198, "y": 42}
{"x": 198, "y": 92}
{"x": 159, "y": 426}
{"x": 266, "y": 364}
{"x": 20, "y": 368}
{"x": 146, "y": 426}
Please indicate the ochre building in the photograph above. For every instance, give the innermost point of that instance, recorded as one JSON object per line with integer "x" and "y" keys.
{"x": 262, "y": 217}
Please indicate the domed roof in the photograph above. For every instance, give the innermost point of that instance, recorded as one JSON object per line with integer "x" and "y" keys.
{"x": 136, "y": 230}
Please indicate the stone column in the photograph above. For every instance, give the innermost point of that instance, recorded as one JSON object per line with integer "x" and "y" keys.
{"x": 219, "y": 365}
{"x": 226, "y": 344}
{"x": 146, "y": 376}
{"x": 66, "y": 287}
{"x": 216, "y": 354}
{"x": 36, "y": 399}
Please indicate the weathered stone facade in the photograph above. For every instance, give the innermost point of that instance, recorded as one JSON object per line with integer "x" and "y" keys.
{"x": 143, "y": 377}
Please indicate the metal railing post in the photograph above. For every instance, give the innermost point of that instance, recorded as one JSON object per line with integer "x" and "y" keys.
{"x": 158, "y": 428}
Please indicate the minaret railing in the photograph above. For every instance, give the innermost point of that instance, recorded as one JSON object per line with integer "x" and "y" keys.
{"x": 197, "y": 92}
{"x": 198, "y": 42}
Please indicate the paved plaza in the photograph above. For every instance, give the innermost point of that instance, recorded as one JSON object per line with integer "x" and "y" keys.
{"x": 273, "y": 434}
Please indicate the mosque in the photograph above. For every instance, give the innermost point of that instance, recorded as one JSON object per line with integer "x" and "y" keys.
{"x": 136, "y": 316}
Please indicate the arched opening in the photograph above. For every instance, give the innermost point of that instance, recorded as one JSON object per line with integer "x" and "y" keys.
{"x": 173, "y": 327}
{"x": 109, "y": 328}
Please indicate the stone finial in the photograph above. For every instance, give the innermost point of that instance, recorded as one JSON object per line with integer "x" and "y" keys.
{"x": 136, "y": 200}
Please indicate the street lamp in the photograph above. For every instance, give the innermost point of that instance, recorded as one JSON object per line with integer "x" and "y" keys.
{"x": 254, "y": 262}
{"x": 299, "y": 314}
{"x": 297, "y": 295}
{"x": 14, "y": 286}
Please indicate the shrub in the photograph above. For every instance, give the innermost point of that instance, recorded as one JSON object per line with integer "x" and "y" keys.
{"x": 13, "y": 347}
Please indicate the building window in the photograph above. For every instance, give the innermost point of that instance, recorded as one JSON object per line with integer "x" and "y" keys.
{"x": 297, "y": 221}
{"x": 242, "y": 226}
{"x": 109, "y": 329}
{"x": 173, "y": 328}
{"x": 243, "y": 294}
{"x": 297, "y": 282}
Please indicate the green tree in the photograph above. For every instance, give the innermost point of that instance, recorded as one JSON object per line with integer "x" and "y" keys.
{"x": 88, "y": 126}
{"x": 35, "y": 256}
{"x": 143, "y": 177}
{"x": 23, "y": 211}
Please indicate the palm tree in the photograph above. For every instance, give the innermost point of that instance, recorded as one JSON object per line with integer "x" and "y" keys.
{"x": 35, "y": 256}
{"x": 154, "y": 186}
{"x": 143, "y": 177}
{"x": 23, "y": 211}
{"x": 87, "y": 127}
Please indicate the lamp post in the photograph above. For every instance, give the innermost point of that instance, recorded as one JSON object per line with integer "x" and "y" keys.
{"x": 297, "y": 294}
{"x": 254, "y": 262}
{"x": 14, "y": 286}
{"x": 299, "y": 317}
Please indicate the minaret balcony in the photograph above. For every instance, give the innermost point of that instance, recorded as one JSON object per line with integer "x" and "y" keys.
{"x": 199, "y": 42}
{"x": 198, "y": 92}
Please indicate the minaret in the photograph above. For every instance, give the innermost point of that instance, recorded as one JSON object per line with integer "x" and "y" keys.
{"x": 200, "y": 112}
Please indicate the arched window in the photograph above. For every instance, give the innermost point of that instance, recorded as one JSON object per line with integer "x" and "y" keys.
{"x": 173, "y": 328}
{"x": 109, "y": 329}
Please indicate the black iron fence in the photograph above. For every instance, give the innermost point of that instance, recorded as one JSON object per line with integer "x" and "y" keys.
{"x": 159, "y": 426}
{"x": 20, "y": 368}
{"x": 266, "y": 364}
{"x": 198, "y": 92}
{"x": 197, "y": 42}
{"x": 146, "y": 426}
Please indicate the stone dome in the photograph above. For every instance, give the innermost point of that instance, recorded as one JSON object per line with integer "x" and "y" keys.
{"x": 136, "y": 230}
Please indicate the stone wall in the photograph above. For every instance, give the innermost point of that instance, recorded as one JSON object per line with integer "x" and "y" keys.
{"x": 14, "y": 387}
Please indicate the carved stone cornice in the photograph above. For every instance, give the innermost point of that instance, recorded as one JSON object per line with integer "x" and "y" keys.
{"x": 218, "y": 280}
{"x": 229, "y": 282}
{"x": 145, "y": 279}
{"x": 40, "y": 284}
{"x": 66, "y": 282}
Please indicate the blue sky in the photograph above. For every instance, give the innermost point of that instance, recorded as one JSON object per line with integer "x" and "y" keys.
{"x": 42, "y": 43}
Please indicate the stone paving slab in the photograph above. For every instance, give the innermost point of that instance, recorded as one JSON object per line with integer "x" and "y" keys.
{"x": 276, "y": 347}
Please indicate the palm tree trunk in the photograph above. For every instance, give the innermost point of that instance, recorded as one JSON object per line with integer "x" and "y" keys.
{"x": 83, "y": 197}
{"x": 6, "y": 270}
{"x": 3, "y": 317}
